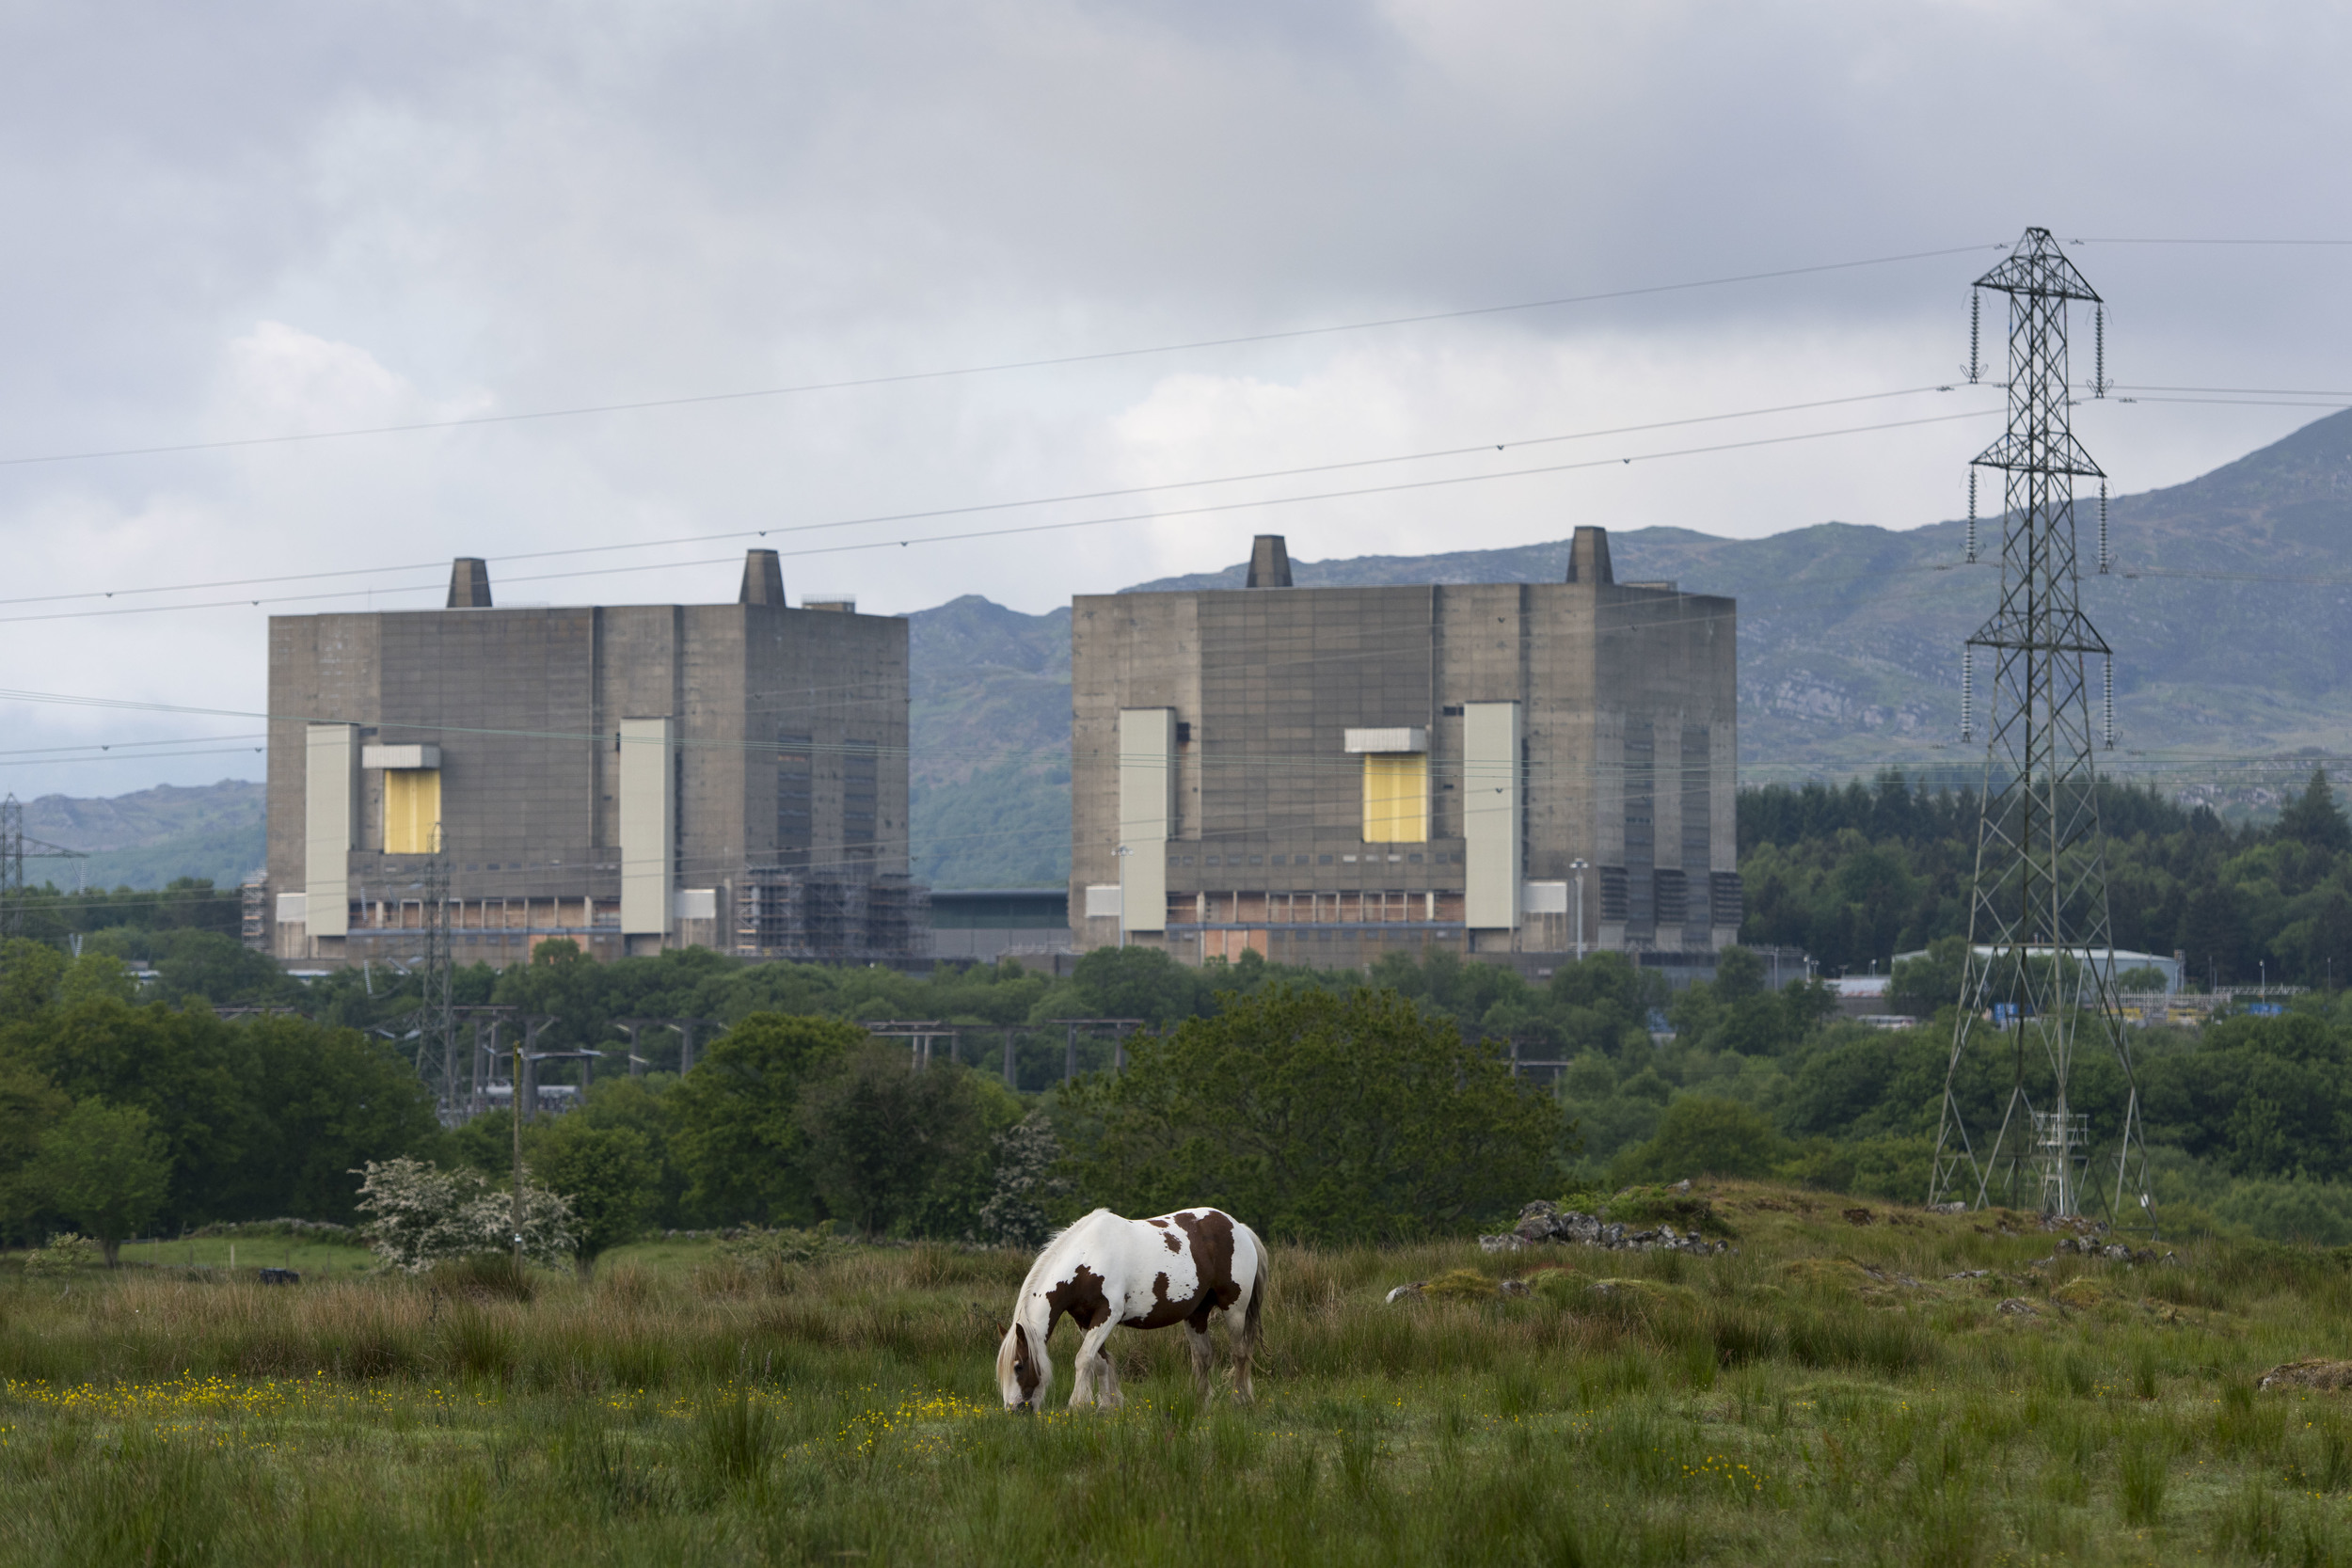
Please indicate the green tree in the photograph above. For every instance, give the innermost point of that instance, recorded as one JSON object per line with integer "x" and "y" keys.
{"x": 105, "y": 1168}
{"x": 179, "y": 1068}
{"x": 1133, "y": 982}
{"x": 608, "y": 1175}
{"x": 737, "y": 1135}
{"x": 29, "y": 1107}
{"x": 30, "y": 973}
{"x": 323, "y": 1103}
{"x": 878, "y": 1139}
{"x": 2313, "y": 817}
{"x": 1317, "y": 1117}
{"x": 1702, "y": 1136}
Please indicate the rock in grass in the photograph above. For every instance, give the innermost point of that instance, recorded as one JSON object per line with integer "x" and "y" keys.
{"x": 1460, "y": 1285}
{"x": 2016, "y": 1306}
{"x": 2315, "y": 1372}
{"x": 2082, "y": 1291}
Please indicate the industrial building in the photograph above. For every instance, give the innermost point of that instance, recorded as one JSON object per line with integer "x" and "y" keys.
{"x": 730, "y": 776}
{"x": 1323, "y": 775}
{"x": 984, "y": 925}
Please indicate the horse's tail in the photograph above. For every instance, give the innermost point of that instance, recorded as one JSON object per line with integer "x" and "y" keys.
{"x": 1258, "y": 1288}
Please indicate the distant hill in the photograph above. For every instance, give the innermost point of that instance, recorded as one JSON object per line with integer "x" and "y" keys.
{"x": 152, "y": 836}
{"x": 2230, "y": 611}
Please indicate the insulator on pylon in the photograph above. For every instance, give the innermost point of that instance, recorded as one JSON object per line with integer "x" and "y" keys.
{"x": 2109, "y": 726}
{"x": 1976, "y": 314}
{"x": 2104, "y": 557}
{"x": 2099, "y": 354}
{"x": 1972, "y": 516}
{"x": 1967, "y": 695}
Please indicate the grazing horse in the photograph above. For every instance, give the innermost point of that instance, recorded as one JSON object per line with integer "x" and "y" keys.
{"x": 1105, "y": 1271}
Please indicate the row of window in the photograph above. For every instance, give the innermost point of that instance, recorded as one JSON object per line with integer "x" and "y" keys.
{"x": 1322, "y": 860}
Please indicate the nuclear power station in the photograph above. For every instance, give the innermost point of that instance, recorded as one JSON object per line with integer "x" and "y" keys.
{"x": 1323, "y": 775}
{"x": 634, "y": 778}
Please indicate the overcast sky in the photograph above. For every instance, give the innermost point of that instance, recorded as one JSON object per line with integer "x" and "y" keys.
{"x": 236, "y": 223}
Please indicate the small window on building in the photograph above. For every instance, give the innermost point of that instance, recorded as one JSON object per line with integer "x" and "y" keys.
{"x": 1413, "y": 860}
{"x": 412, "y": 811}
{"x": 1396, "y": 797}
{"x": 1214, "y": 860}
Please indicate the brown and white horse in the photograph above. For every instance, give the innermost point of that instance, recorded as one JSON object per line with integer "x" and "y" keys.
{"x": 1182, "y": 1268}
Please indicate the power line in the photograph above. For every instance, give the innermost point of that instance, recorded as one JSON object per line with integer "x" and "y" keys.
{"x": 1043, "y": 363}
{"x": 1479, "y": 448}
{"x": 1205, "y": 509}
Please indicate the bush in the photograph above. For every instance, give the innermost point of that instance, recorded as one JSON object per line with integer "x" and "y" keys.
{"x": 1702, "y": 1136}
{"x": 420, "y": 1215}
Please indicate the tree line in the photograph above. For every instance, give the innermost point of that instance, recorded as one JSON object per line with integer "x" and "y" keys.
{"x": 1855, "y": 874}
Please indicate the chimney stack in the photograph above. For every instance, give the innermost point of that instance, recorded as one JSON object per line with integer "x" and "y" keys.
{"x": 763, "y": 580}
{"x": 1588, "y": 557}
{"x": 470, "y": 583}
{"x": 1269, "y": 563}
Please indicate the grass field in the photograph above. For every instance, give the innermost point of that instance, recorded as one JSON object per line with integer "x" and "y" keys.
{"x": 1828, "y": 1393}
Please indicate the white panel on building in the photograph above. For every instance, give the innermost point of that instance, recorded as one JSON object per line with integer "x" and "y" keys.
{"x": 1401, "y": 738}
{"x": 291, "y": 907}
{"x": 1491, "y": 771}
{"x": 1147, "y": 811}
{"x": 329, "y": 811}
{"x": 1103, "y": 901}
{"x": 400, "y": 758}
{"x": 697, "y": 903}
{"x": 648, "y": 779}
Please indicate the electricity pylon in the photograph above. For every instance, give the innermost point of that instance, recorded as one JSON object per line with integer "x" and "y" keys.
{"x": 2040, "y": 972}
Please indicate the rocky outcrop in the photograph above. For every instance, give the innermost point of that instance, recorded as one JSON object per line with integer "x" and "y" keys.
{"x": 1543, "y": 1224}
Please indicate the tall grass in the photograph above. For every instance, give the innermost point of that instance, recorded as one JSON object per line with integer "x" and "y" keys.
{"x": 1827, "y": 1394}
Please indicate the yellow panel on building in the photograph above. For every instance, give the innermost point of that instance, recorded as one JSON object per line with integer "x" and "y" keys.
{"x": 1396, "y": 797}
{"x": 412, "y": 811}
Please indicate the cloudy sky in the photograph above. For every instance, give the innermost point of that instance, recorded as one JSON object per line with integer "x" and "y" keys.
{"x": 228, "y": 226}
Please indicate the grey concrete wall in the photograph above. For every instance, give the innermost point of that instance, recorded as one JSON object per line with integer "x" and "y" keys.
{"x": 1269, "y": 806}
{"x": 524, "y": 703}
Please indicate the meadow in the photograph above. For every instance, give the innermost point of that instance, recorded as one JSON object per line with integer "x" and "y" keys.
{"x": 1911, "y": 1388}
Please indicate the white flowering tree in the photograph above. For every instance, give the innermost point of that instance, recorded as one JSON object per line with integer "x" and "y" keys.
{"x": 419, "y": 1214}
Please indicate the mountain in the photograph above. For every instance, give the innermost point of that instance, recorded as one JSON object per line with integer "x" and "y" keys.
{"x": 2229, "y": 608}
{"x": 990, "y": 778}
{"x": 150, "y": 837}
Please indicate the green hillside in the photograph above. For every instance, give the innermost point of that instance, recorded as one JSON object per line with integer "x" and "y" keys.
{"x": 150, "y": 837}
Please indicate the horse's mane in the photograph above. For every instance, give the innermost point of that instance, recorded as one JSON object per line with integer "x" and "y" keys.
{"x": 1046, "y": 1255}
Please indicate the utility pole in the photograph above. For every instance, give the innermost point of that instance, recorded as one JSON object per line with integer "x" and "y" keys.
{"x": 2039, "y": 964}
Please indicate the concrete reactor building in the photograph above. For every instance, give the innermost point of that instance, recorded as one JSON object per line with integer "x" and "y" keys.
{"x": 731, "y": 776}
{"x": 1323, "y": 775}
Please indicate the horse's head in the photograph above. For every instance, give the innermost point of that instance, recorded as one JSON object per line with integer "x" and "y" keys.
{"x": 1024, "y": 1372}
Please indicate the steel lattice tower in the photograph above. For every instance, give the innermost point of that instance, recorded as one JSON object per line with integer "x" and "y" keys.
{"x": 11, "y": 868}
{"x": 436, "y": 1019}
{"x": 2039, "y": 977}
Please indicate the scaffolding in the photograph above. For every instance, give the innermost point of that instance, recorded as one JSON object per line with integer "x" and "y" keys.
{"x": 813, "y": 917}
{"x": 255, "y": 893}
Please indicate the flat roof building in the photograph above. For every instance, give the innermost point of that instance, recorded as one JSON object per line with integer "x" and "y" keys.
{"x": 1323, "y": 775}
{"x": 731, "y": 776}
